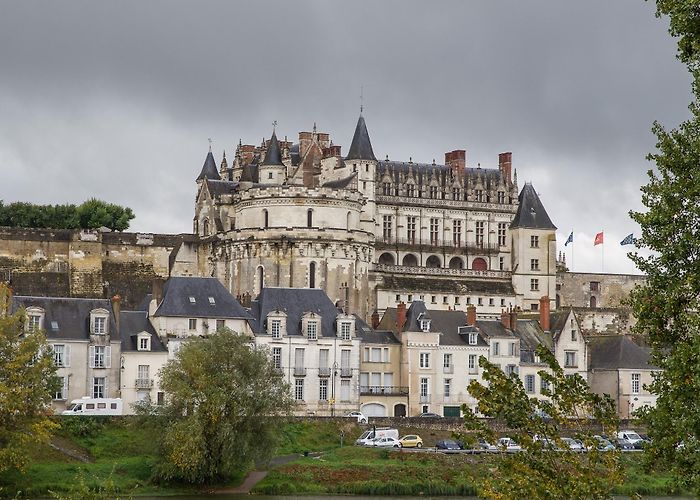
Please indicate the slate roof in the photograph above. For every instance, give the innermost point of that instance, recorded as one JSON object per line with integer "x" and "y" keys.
{"x": 273, "y": 155}
{"x": 453, "y": 285}
{"x": 531, "y": 213}
{"x": 611, "y": 352}
{"x": 176, "y": 299}
{"x": 341, "y": 183}
{"x": 361, "y": 146}
{"x": 70, "y": 315}
{"x": 131, "y": 323}
{"x": 209, "y": 170}
{"x": 217, "y": 188}
{"x": 295, "y": 303}
{"x": 557, "y": 320}
{"x": 531, "y": 335}
{"x": 423, "y": 172}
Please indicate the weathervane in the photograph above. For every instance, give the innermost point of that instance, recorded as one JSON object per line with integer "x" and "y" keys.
{"x": 274, "y": 126}
{"x": 362, "y": 91}
{"x": 209, "y": 144}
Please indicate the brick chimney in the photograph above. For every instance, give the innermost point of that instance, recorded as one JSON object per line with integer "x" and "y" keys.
{"x": 331, "y": 151}
{"x": 401, "y": 316}
{"x": 505, "y": 319}
{"x": 544, "y": 313}
{"x": 471, "y": 315}
{"x": 505, "y": 163}
{"x": 305, "y": 140}
{"x": 375, "y": 320}
{"x": 513, "y": 319}
{"x": 456, "y": 159}
{"x": 117, "y": 308}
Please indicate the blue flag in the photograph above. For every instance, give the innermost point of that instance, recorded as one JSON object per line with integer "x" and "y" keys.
{"x": 629, "y": 240}
{"x": 570, "y": 239}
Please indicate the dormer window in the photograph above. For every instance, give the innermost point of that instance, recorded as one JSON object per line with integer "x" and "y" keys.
{"x": 425, "y": 325}
{"x": 472, "y": 338}
{"x": 312, "y": 330}
{"x": 98, "y": 322}
{"x": 144, "y": 342}
{"x": 54, "y": 326}
{"x": 212, "y": 302}
{"x": 276, "y": 328}
{"x": 35, "y": 319}
{"x": 345, "y": 327}
{"x": 276, "y": 324}
{"x": 192, "y": 300}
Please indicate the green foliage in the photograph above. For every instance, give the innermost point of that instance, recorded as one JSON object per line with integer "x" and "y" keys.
{"x": 85, "y": 426}
{"x": 667, "y": 305}
{"x": 222, "y": 400}
{"x": 538, "y": 472}
{"x": 27, "y": 381}
{"x": 95, "y": 488}
{"x": 91, "y": 214}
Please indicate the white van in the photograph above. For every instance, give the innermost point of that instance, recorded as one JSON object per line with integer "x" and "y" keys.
{"x": 375, "y": 433}
{"x": 94, "y": 406}
{"x": 632, "y": 437}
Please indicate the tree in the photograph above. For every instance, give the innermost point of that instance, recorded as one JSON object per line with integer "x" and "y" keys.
{"x": 667, "y": 306}
{"x": 223, "y": 397}
{"x": 92, "y": 214}
{"x": 547, "y": 467}
{"x": 27, "y": 382}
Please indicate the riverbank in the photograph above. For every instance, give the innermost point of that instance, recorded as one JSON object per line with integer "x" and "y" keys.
{"x": 115, "y": 456}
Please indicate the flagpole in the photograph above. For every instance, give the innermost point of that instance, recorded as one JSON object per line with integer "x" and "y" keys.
{"x": 602, "y": 254}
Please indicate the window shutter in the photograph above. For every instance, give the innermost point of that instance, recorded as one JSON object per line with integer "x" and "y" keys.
{"x": 91, "y": 355}
{"x": 65, "y": 387}
{"x": 108, "y": 357}
{"x": 106, "y": 387}
{"x": 66, "y": 356}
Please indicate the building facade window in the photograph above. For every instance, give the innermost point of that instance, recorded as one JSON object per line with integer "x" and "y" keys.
{"x": 387, "y": 222}
{"x": 496, "y": 349}
{"x": 433, "y": 192}
{"x": 447, "y": 360}
{"x": 386, "y": 188}
{"x": 472, "y": 363}
{"x": 530, "y": 384}
{"x": 33, "y": 322}
{"x": 501, "y": 197}
{"x": 447, "y": 389}
{"x": 311, "y": 330}
{"x": 479, "y": 234}
{"x": 534, "y": 284}
{"x": 570, "y": 359}
{"x": 457, "y": 233}
{"x": 345, "y": 327}
{"x": 424, "y": 360}
{"x": 502, "y": 234}
{"x": 99, "y": 356}
{"x": 411, "y": 190}
{"x": 534, "y": 241}
{"x": 424, "y": 387}
{"x": 309, "y": 218}
{"x": 456, "y": 194}
{"x": 411, "y": 229}
{"x": 277, "y": 357}
{"x": 345, "y": 390}
{"x": 434, "y": 230}
{"x": 276, "y": 328}
{"x": 59, "y": 355}
{"x": 99, "y": 386}
{"x": 479, "y": 195}
{"x": 534, "y": 264}
{"x": 636, "y": 386}
{"x": 512, "y": 349}
{"x": 62, "y": 391}
{"x": 299, "y": 389}
{"x": 323, "y": 389}
{"x": 192, "y": 324}
{"x": 220, "y": 324}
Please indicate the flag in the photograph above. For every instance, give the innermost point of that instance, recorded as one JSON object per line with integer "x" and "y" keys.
{"x": 598, "y": 239}
{"x": 570, "y": 239}
{"x": 629, "y": 240}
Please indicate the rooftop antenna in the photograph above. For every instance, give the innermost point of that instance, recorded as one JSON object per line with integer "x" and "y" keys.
{"x": 209, "y": 144}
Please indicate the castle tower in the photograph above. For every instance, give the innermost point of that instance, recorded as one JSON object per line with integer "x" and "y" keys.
{"x": 209, "y": 170}
{"x": 272, "y": 170}
{"x": 363, "y": 162}
{"x": 534, "y": 251}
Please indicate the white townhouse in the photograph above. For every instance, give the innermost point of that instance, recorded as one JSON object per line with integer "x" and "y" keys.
{"x": 314, "y": 344}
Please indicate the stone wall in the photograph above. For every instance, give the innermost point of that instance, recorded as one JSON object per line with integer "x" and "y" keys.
{"x": 605, "y": 290}
{"x": 65, "y": 263}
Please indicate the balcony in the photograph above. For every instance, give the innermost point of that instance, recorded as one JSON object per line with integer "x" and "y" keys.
{"x": 448, "y": 369}
{"x": 383, "y": 390}
{"x": 425, "y": 398}
{"x": 143, "y": 383}
{"x": 299, "y": 371}
{"x": 449, "y": 246}
{"x": 324, "y": 372}
{"x": 439, "y": 202}
{"x": 346, "y": 372}
{"x": 440, "y": 271}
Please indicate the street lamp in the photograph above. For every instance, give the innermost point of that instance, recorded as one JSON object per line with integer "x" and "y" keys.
{"x": 335, "y": 372}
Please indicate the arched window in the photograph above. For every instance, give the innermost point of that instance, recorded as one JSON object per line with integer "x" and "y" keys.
{"x": 206, "y": 227}
{"x": 409, "y": 260}
{"x": 196, "y": 226}
{"x": 312, "y": 275}
{"x": 266, "y": 219}
{"x": 386, "y": 259}
{"x": 433, "y": 261}
{"x": 479, "y": 264}
{"x": 594, "y": 302}
{"x": 260, "y": 278}
{"x": 309, "y": 218}
{"x": 347, "y": 221}
{"x": 456, "y": 263}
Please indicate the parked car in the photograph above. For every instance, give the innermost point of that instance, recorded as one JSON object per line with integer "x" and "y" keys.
{"x": 430, "y": 415}
{"x": 604, "y": 444}
{"x": 546, "y": 443}
{"x": 359, "y": 416}
{"x": 94, "y": 406}
{"x": 447, "y": 444}
{"x": 633, "y": 438}
{"x": 623, "y": 444}
{"x": 485, "y": 445}
{"x": 370, "y": 435}
{"x": 386, "y": 442}
{"x": 508, "y": 444}
{"x": 411, "y": 441}
{"x": 573, "y": 444}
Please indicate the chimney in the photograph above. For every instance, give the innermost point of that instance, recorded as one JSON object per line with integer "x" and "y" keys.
{"x": 513, "y": 319}
{"x": 401, "y": 316}
{"x": 375, "y": 319}
{"x": 505, "y": 162}
{"x": 456, "y": 159}
{"x": 117, "y": 308}
{"x": 544, "y": 313}
{"x": 305, "y": 139}
{"x": 157, "y": 290}
{"x": 505, "y": 319}
{"x": 471, "y": 315}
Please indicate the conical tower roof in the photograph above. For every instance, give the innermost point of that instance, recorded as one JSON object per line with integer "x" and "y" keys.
{"x": 531, "y": 213}
{"x": 361, "y": 147}
{"x": 273, "y": 155}
{"x": 209, "y": 170}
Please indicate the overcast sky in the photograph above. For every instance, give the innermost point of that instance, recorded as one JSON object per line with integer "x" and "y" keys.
{"x": 117, "y": 99}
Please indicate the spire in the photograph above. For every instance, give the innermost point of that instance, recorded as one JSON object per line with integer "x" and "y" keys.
{"x": 361, "y": 147}
{"x": 273, "y": 155}
{"x": 209, "y": 170}
{"x": 531, "y": 213}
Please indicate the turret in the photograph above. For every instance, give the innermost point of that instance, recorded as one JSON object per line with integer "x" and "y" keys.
{"x": 272, "y": 170}
{"x": 361, "y": 159}
{"x": 209, "y": 170}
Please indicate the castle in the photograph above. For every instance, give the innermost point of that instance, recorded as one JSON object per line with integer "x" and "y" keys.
{"x": 373, "y": 233}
